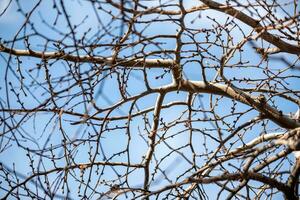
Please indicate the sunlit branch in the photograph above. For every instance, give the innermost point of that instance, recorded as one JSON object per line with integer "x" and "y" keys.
{"x": 134, "y": 62}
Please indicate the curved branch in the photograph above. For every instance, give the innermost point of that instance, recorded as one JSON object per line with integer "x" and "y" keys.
{"x": 243, "y": 97}
{"x": 221, "y": 89}
{"x": 276, "y": 41}
{"x": 233, "y": 177}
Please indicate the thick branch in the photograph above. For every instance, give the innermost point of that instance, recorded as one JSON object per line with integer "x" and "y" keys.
{"x": 294, "y": 176}
{"x": 233, "y": 177}
{"x": 134, "y": 62}
{"x": 266, "y": 110}
{"x": 152, "y": 136}
{"x": 221, "y": 89}
{"x": 276, "y": 41}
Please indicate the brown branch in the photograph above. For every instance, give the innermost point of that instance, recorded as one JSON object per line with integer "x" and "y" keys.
{"x": 276, "y": 41}
{"x": 293, "y": 179}
{"x": 156, "y": 10}
{"x": 152, "y": 136}
{"x": 266, "y": 110}
{"x": 233, "y": 177}
{"x": 134, "y": 62}
{"x": 221, "y": 89}
{"x": 81, "y": 166}
{"x": 86, "y": 116}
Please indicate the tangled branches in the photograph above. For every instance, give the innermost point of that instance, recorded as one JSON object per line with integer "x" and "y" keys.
{"x": 106, "y": 99}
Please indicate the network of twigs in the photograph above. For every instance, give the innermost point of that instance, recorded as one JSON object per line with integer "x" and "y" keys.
{"x": 150, "y": 100}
